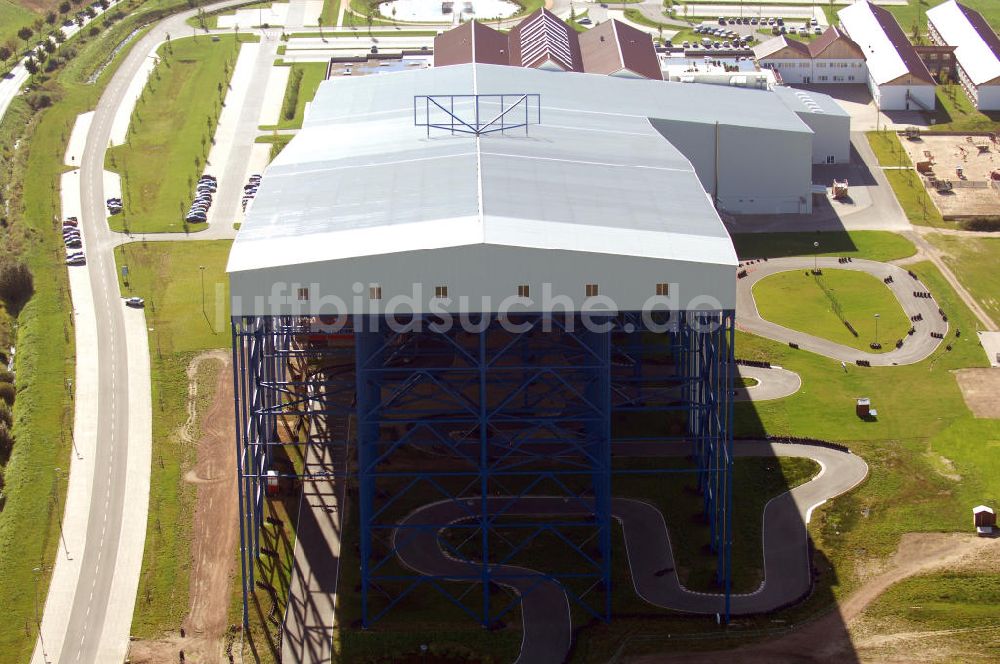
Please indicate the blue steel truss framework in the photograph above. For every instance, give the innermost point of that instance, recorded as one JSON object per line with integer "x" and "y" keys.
{"x": 483, "y": 418}
{"x": 477, "y": 114}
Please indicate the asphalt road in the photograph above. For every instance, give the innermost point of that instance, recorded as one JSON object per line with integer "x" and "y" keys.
{"x": 915, "y": 347}
{"x": 104, "y": 533}
{"x": 546, "y": 619}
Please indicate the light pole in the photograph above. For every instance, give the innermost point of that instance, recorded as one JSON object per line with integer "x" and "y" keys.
{"x": 202, "y": 268}
{"x": 38, "y": 618}
{"x": 876, "y": 329}
{"x": 62, "y": 535}
{"x": 815, "y": 257}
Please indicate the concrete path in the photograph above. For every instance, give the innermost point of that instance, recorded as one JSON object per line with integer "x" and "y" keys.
{"x": 88, "y": 612}
{"x": 915, "y": 348}
{"x": 772, "y": 383}
{"x": 547, "y": 622}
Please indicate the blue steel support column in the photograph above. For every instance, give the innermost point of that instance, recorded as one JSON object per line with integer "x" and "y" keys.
{"x": 484, "y": 476}
{"x": 366, "y": 345}
{"x": 237, "y": 346}
{"x": 599, "y": 393}
{"x": 729, "y": 318}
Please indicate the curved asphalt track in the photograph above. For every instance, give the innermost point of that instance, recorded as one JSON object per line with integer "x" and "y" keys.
{"x": 545, "y": 607}
{"x": 915, "y": 348}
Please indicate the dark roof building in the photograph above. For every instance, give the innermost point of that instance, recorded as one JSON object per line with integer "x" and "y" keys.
{"x": 544, "y": 41}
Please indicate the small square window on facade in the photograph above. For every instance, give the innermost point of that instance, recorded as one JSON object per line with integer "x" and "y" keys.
{"x": 374, "y": 292}
{"x": 663, "y": 289}
{"x": 441, "y": 291}
{"x": 523, "y": 291}
{"x": 592, "y": 290}
{"x": 303, "y": 294}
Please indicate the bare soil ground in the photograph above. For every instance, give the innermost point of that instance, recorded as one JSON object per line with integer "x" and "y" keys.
{"x": 951, "y": 152}
{"x": 215, "y": 531}
{"x": 981, "y": 391}
{"x": 825, "y": 640}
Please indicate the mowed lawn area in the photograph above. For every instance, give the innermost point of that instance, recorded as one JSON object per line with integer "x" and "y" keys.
{"x": 171, "y": 133}
{"x": 13, "y": 17}
{"x": 818, "y": 305}
{"x": 168, "y": 276}
{"x": 976, "y": 263}
{"x": 303, "y": 81}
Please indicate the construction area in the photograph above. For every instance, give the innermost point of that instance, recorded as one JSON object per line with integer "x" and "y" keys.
{"x": 961, "y": 172}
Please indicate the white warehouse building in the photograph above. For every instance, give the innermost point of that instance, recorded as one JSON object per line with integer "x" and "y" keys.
{"x": 629, "y": 159}
{"x": 977, "y": 50}
{"x": 897, "y": 77}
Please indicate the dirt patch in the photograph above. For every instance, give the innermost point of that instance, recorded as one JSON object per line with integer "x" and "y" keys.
{"x": 826, "y": 639}
{"x": 948, "y": 154}
{"x": 215, "y": 530}
{"x": 981, "y": 391}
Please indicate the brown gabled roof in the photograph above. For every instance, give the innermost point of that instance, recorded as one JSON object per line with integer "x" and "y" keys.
{"x": 778, "y": 44}
{"x": 543, "y": 40}
{"x": 982, "y": 27}
{"x": 901, "y": 43}
{"x": 471, "y": 42}
{"x": 613, "y": 47}
{"x": 831, "y": 36}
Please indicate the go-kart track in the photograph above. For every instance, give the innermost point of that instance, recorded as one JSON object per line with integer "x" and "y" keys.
{"x": 545, "y": 609}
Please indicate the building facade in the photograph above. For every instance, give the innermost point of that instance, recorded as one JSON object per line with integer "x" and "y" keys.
{"x": 897, "y": 78}
{"x": 977, "y": 50}
{"x": 833, "y": 58}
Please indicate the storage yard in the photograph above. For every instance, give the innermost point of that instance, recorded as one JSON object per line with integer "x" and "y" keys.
{"x": 966, "y": 164}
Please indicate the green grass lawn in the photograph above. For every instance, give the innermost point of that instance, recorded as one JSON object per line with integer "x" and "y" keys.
{"x": 303, "y": 81}
{"x": 906, "y": 184}
{"x": 807, "y": 303}
{"x": 13, "y": 17}
{"x": 944, "y": 600}
{"x": 887, "y": 148}
{"x": 278, "y": 143}
{"x": 974, "y": 261}
{"x": 955, "y": 112}
{"x": 170, "y": 135}
{"x": 168, "y": 275}
{"x": 34, "y": 493}
{"x": 874, "y": 245}
{"x": 914, "y": 199}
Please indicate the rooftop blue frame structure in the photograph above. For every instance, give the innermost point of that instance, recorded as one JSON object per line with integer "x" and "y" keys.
{"x": 483, "y": 415}
{"x": 477, "y": 114}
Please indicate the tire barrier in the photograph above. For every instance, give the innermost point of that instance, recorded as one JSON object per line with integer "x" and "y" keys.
{"x": 760, "y": 364}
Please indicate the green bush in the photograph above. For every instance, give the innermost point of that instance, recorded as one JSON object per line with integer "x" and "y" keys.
{"x": 16, "y": 285}
{"x": 292, "y": 98}
{"x": 7, "y": 393}
{"x": 6, "y": 416}
{"x": 6, "y": 443}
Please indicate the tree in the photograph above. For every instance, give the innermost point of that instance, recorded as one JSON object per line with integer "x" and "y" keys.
{"x": 7, "y": 393}
{"x": 6, "y": 442}
{"x": 5, "y": 53}
{"x": 64, "y": 7}
{"x": 16, "y": 285}
{"x": 50, "y": 18}
{"x": 24, "y": 34}
{"x": 49, "y": 46}
{"x": 30, "y": 65}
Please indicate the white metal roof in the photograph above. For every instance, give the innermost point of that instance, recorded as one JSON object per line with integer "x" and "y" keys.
{"x": 887, "y": 59}
{"x": 807, "y": 101}
{"x": 982, "y": 508}
{"x": 361, "y": 192}
{"x": 361, "y": 172}
{"x": 976, "y": 57}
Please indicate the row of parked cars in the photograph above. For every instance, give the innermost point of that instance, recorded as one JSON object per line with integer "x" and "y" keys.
{"x": 250, "y": 189}
{"x": 114, "y": 205}
{"x": 198, "y": 212}
{"x": 73, "y": 242}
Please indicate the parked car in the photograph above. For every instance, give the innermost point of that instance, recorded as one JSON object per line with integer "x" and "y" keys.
{"x": 134, "y": 302}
